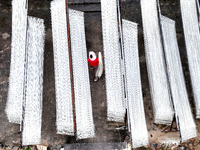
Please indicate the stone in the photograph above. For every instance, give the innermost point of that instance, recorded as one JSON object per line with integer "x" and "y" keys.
{"x": 15, "y": 148}
{"x": 58, "y": 147}
{"x": 5, "y": 11}
{"x": 142, "y": 59}
{"x": 174, "y": 147}
{"x": 183, "y": 148}
{"x": 5, "y": 36}
{"x": 170, "y": 138}
{"x": 8, "y": 148}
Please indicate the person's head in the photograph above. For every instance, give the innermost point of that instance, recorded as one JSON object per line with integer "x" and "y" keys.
{"x": 92, "y": 55}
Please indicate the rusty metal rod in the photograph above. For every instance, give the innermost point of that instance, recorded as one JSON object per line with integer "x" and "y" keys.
{"x": 70, "y": 64}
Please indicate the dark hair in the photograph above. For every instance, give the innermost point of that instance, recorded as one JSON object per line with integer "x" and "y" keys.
{"x": 91, "y": 56}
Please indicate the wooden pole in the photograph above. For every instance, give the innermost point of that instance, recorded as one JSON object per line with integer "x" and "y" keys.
{"x": 70, "y": 64}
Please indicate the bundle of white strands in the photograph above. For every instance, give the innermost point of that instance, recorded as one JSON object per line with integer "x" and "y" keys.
{"x": 136, "y": 115}
{"x": 64, "y": 112}
{"x": 16, "y": 79}
{"x": 160, "y": 94}
{"x": 192, "y": 41}
{"x": 82, "y": 93}
{"x": 32, "y": 121}
{"x": 182, "y": 108}
{"x": 112, "y": 56}
{"x": 24, "y": 102}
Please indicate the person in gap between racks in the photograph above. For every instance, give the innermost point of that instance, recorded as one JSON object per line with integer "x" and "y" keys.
{"x": 94, "y": 62}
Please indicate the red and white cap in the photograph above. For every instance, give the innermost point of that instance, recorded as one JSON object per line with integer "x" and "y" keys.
{"x": 92, "y": 56}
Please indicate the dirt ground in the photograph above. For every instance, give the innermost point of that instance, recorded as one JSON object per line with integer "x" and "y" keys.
{"x": 105, "y": 132}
